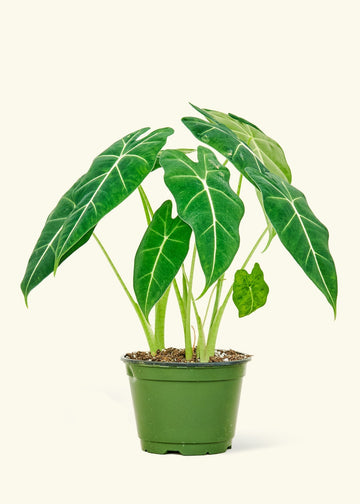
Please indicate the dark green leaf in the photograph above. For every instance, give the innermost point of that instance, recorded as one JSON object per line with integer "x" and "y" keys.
{"x": 226, "y": 142}
{"x": 160, "y": 254}
{"x": 302, "y": 234}
{"x": 112, "y": 177}
{"x": 250, "y": 290}
{"x": 265, "y": 148}
{"x": 207, "y": 203}
{"x": 42, "y": 259}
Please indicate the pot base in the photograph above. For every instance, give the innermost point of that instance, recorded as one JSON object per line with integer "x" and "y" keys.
{"x": 185, "y": 448}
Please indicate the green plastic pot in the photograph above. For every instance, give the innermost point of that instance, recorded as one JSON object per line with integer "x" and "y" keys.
{"x": 190, "y": 408}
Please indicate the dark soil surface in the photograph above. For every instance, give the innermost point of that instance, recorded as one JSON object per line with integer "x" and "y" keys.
{"x": 178, "y": 355}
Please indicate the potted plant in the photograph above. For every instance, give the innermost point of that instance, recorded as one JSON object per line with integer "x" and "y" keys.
{"x": 187, "y": 401}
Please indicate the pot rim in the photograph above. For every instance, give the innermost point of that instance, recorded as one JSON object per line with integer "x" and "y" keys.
{"x": 185, "y": 364}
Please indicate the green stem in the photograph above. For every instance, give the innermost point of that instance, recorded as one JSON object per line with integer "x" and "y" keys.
{"x": 214, "y": 329}
{"x": 257, "y": 243}
{"x": 239, "y": 184}
{"x": 184, "y": 284}
{"x": 219, "y": 285}
{"x": 180, "y": 302}
{"x": 160, "y": 311}
{"x": 201, "y": 345}
{"x": 188, "y": 346}
{"x": 145, "y": 324}
{"x": 149, "y": 214}
{"x": 208, "y": 304}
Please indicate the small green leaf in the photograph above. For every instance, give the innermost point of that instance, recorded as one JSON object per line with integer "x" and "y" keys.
{"x": 250, "y": 290}
{"x": 161, "y": 253}
{"x": 207, "y": 203}
{"x": 112, "y": 177}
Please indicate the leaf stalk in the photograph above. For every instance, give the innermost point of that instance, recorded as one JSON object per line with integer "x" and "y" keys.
{"x": 145, "y": 324}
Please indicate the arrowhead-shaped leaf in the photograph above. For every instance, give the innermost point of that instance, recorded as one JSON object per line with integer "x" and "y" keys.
{"x": 222, "y": 139}
{"x": 265, "y": 148}
{"x": 233, "y": 146}
{"x": 207, "y": 203}
{"x": 160, "y": 254}
{"x": 302, "y": 234}
{"x": 250, "y": 290}
{"x": 42, "y": 259}
{"x": 112, "y": 177}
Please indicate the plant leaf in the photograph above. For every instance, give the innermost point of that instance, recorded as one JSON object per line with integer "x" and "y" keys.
{"x": 207, "y": 203}
{"x": 161, "y": 253}
{"x": 222, "y": 139}
{"x": 112, "y": 177}
{"x": 250, "y": 290}
{"x": 157, "y": 161}
{"x": 302, "y": 234}
{"x": 265, "y": 148}
{"x": 233, "y": 137}
{"x": 42, "y": 259}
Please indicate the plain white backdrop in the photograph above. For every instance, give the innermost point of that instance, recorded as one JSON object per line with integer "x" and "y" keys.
{"x": 76, "y": 76}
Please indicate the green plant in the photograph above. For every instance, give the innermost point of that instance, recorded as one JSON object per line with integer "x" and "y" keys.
{"x": 207, "y": 206}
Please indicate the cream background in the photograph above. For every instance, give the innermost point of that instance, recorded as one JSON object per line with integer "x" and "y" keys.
{"x": 79, "y": 75}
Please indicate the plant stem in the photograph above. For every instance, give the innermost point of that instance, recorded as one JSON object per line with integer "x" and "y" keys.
{"x": 180, "y": 302}
{"x": 160, "y": 312}
{"x": 145, "y": 324}
{"x": 239, "y": 184}
{"x": 149, "y": 214}
{"x": 257, "y": 243}
{"x": 219, "y": 285}
{"x": 184, "y": 284}
{"x": 208, "y": 304}
{"x": 201, "y": 346}
{"x": 214, "y": 329}
{"x": 188, "y": 346}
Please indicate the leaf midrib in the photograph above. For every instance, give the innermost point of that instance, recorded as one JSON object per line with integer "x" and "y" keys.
{"x": 159, "y": 254}
{"x": 241, "y": 144}
{"x": 42, "y": 256}
{"x": 121, "y": 156}
{"x": 89, "y": 203}
{"x": 298, "y": 215}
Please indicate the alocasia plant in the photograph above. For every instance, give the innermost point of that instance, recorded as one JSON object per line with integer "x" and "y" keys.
{"x": 207, "y": 207}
